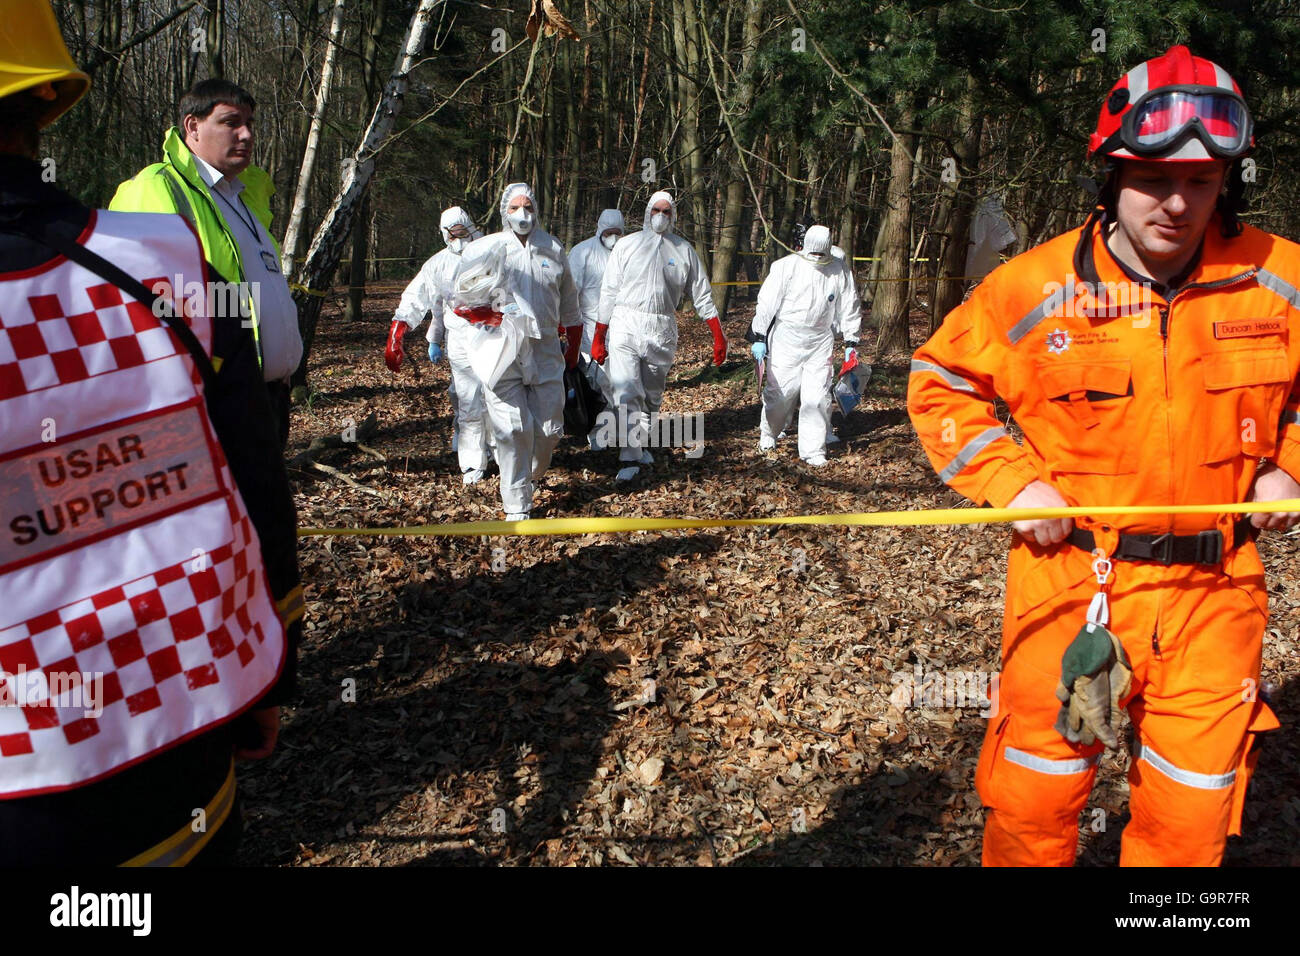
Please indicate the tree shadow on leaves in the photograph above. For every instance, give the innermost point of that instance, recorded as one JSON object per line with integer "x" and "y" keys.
{"x": 445, "y": 742}
{"x": 891, "y": 819}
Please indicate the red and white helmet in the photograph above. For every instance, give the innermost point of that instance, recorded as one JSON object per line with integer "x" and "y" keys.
{"x": 1174, "y": 108}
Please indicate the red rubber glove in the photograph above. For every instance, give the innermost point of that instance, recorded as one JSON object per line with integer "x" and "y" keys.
{"x": 574, "y": 334}
{"x": 393, "y": 354}
{"x": 719, "y": 341}
{"x": 598, "y": 351}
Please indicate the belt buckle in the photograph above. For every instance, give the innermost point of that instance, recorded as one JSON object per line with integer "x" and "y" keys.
{"x": 1162, "y": 549}
{"x": 1209, "y": 547}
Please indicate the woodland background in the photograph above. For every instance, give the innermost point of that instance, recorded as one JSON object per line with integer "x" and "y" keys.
{"x": 757, "y": 114}
{"x": 696, "y": 698}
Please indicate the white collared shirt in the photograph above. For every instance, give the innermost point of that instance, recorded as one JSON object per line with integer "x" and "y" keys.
{"x": 277, "y": 313}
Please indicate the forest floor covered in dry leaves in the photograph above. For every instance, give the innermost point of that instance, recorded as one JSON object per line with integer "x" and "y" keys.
{"x": 504, "y": 711}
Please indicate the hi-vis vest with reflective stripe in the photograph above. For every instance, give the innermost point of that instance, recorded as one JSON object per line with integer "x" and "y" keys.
{"x": 134, "y": 608}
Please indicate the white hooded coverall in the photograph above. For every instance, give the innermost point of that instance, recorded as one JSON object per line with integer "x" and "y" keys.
{"x": 644, "y": 280}
{"x": 430, "y": 291}
{"x": 588, "y": 260}
{"x": 525, "y": 406}
{"x": 801, "y": 307}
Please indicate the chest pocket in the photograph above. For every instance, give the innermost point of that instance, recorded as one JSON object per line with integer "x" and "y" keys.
{"x": 1246, "y": 389}
{"x": 1089, "y": 416}
{"x": 675, "y": 270}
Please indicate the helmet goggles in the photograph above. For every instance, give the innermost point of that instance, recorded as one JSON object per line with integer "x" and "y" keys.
{"x": 1165, "y": 118}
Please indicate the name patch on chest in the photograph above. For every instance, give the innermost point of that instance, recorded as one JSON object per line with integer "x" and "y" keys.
{"x": 1240, "y": 328}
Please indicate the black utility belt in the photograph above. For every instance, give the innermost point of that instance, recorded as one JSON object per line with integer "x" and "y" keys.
{"x": 1204, "y": 548}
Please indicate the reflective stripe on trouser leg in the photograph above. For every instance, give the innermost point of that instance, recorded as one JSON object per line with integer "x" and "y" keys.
{"x": 1033, "y": 780}
{"x": 1196, "y": 715}
{"x": 1179, "y": 817}
{"x": 1034, "y": 801}
{"x": 471, "y": 407}
{"x": 814, "y": 408}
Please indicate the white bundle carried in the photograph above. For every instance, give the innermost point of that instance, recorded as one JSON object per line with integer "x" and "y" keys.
{"x": 481, "y": 295}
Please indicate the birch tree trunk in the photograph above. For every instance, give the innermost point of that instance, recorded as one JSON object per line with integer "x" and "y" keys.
{"x": 313, "y": 141}
{"x": 327, "y": 247}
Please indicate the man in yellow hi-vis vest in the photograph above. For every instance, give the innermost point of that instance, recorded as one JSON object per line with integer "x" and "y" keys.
{"x": 207, "y": 176}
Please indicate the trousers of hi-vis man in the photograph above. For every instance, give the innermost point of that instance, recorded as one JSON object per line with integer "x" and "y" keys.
{"x": 1124, "y": 398}
{"x": 136, "y": 612}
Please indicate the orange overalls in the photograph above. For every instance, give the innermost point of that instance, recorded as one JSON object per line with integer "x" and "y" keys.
{"x": 1124, "y": 398}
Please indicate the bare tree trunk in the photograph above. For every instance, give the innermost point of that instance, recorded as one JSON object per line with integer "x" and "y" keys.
{"x": 572, "y": 184}
{"x": 216, "y": 39}
{"x": 632, "y": 158}
{"x": 313, "y": 140}
{"x": 327, "y": 246}
{"x": 733, "y": 207}
{"x": 847, "y": 218}
{"x": 695, "y": 154}
{"x": 361, "y": 244}
{"x": 892, "y": 298}
{"x": 948, "y": 291}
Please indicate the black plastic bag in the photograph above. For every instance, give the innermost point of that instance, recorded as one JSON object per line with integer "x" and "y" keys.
{"x": 582, "y": 402}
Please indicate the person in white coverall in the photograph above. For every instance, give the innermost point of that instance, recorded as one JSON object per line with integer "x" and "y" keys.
{"x": 521, "y": 362}
{"x": 588, "y": 260}
{"x": 430, "y": 291}
{"x": 807, "y": 298}
{"x": 637, "y": 327}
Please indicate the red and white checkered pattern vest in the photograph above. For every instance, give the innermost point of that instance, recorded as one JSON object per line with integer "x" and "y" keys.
{"x": 134, "y": 608}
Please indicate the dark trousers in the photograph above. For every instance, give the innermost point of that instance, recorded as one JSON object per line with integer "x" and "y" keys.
{"x": 278, "y": 392}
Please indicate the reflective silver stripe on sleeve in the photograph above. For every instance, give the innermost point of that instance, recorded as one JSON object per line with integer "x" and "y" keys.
{"x": 1036, "y": 315}
{"x": 1189, "y": 778}
{"x": 1278, "y": 286}
{"x": 972, "y": 448}
{"x": 1137, "y": 82}
{"x": 1291, "y": 418}
{"x": 952, "y": 378}
{"x": 1043, "y": 765}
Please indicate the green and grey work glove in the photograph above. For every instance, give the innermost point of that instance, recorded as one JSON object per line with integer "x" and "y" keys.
{"x": 1095, "y": 677}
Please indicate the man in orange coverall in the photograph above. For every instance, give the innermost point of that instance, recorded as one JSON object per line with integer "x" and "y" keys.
{"x": 1147, "y": 356}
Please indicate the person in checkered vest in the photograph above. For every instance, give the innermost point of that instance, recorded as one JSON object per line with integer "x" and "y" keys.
{"x": 149, "y": 597}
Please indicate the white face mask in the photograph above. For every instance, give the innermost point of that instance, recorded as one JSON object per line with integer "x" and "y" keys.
{"x": 521, "y": 221}
{"x": 608, "y": 241}
{"x": 457, "y": 245}
{"x": 818, "y": 258}
{"x": 660, "y": 222}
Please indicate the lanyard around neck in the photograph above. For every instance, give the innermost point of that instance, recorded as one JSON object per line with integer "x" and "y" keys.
{"x": 250, "y": 222}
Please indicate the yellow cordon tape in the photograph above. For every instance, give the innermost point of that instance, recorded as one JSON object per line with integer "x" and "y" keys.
{"x": 297, "y": 287}
{"x": 876, "y": 519}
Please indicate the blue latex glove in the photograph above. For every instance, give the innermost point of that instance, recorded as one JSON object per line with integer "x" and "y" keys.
{"x": 849, "y": 352}
{"x": 760, "y": 351}
{"x": 435, "y": 352}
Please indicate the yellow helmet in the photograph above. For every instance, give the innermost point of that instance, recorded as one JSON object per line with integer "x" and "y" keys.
{"x": 32, "y": 52}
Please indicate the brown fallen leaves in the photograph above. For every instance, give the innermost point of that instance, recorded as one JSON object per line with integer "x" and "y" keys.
{"x": 684, "y": 698}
